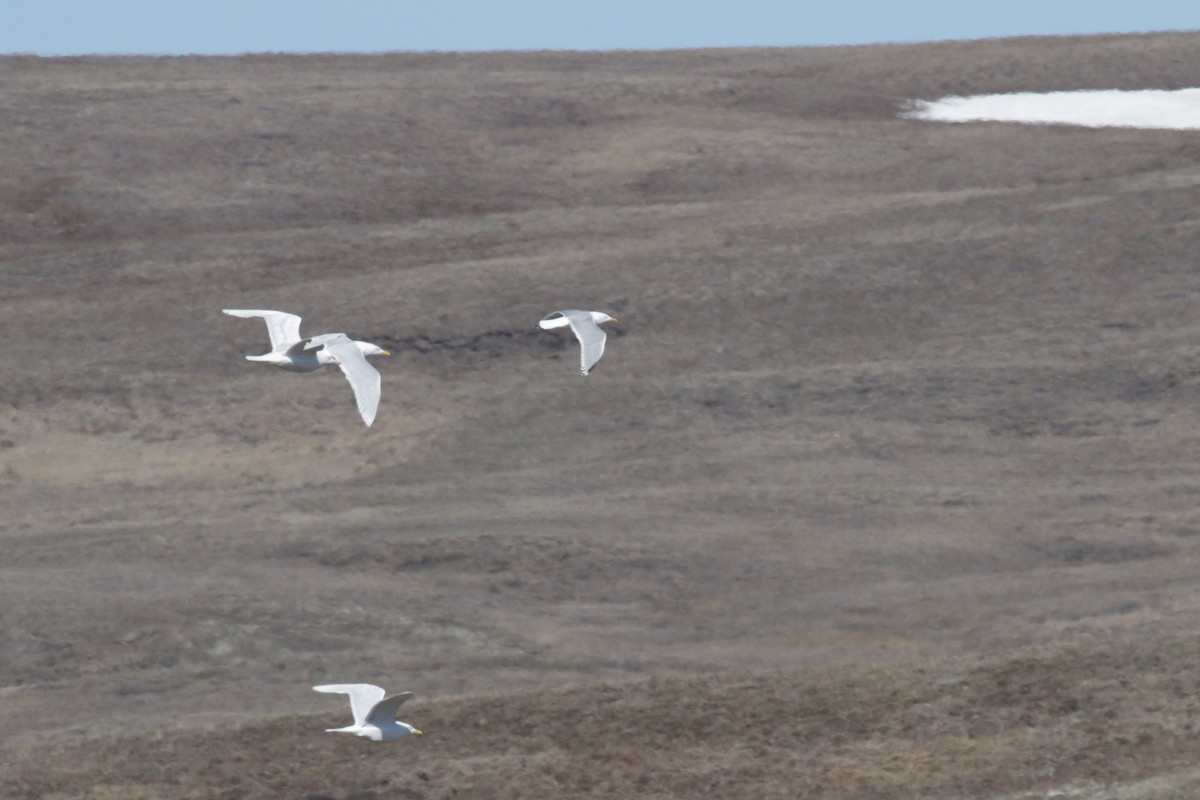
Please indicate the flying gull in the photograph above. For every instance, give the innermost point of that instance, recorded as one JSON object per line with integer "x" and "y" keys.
{"x": 290, "y": 352}
{"x": 374, "y": 714}
{"x": 586, "y": 325}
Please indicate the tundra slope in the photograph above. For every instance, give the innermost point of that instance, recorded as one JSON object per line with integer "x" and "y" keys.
{"x": 888, "y": 393}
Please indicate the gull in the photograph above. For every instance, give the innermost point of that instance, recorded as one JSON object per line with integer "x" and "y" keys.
{"x": 374, "y": 714}
{"x": 290, "y": 352}
{"x": 586, "y": 325}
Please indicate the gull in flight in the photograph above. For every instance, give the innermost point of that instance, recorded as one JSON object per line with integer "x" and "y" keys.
{"x": 586, "y": 325}
{"x": 290, "y": 352}
{"x": 374, "y": 714}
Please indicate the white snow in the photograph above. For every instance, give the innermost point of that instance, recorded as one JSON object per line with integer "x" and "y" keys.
{"x": 1151, "y": 108}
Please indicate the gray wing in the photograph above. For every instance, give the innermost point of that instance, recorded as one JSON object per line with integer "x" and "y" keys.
{"x": 363, "y": 697}
{"x": 591, "y": 338}
{"x": 384, "y": 712}
{"x": 364, "y": 379}
{"x": 317, "y": 342}
{"x": 283, "y": 328}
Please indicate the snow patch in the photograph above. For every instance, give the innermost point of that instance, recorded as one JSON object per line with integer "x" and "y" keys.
{"x": 1151, "y": 108}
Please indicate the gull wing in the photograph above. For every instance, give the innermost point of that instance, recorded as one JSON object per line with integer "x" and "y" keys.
{"x": 384, "y": 712}
{"x": 363, "y": 697}
{"x": 591, "y": 338}
{"x": 317, "y": 342}
{"x": 555, "y": 320}
{"x": 364, "y": 379}
{"x": 283, "y": 328}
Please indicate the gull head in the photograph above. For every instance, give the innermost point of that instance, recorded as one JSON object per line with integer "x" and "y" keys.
{"x": 371, "y": 350}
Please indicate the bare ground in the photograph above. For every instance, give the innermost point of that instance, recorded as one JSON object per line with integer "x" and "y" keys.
{"x": 885, "y": 488}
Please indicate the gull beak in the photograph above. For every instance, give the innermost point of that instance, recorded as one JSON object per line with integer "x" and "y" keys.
{"x": 385, "y": 353}
{"x": 417, "y": 732}
{"x": 614, "y": 319}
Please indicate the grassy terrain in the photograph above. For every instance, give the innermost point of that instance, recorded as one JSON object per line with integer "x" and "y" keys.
{"x": 885, "y": 487}
{"x": 1070, "y": 721}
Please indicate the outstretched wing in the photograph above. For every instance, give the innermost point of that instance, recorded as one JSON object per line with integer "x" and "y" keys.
{"x": 591, "y": 338}
{"x": 363, "y": 697}
{"x": 384, "y": 712}
{"x": 317, "y": 342}
{"x": 555, "y": 320}
{"x": 283, "y": 328}
{"x": 364, "y": 379}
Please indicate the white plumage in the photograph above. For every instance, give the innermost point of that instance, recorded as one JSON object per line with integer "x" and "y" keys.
{"x": 374, "y": 714}
{"x": 290, "y": 352}
{"x": 586, "y": 326}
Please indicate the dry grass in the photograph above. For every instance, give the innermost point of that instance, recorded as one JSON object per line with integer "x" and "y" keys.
{"x": 889, "y": 472}
{"x": 1075, "y": 720}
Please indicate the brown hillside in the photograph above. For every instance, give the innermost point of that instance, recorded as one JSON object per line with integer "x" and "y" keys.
{"x": 889, "y": 403}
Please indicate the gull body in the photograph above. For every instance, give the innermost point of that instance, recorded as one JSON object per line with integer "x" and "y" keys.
{"x": 294, "y": 354}
{"x": 586, "y": 327}
{"x": 374, "y": 714}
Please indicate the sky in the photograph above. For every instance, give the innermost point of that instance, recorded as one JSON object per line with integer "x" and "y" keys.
{"x": 220, "y": 27}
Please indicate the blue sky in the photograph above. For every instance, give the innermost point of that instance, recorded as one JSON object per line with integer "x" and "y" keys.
{"x": 67, "y": 27}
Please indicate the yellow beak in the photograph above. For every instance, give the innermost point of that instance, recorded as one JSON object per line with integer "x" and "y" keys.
{"x": 417, "y": 732}
{"x": 385, "y": 353}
